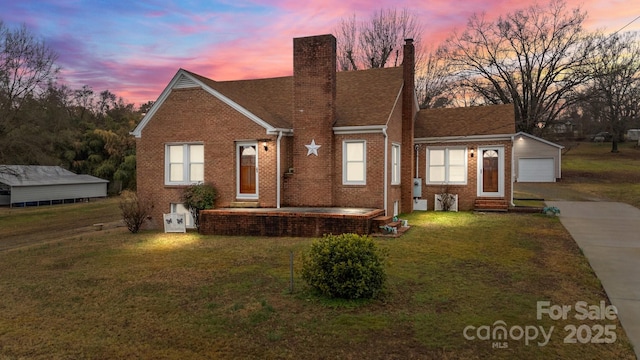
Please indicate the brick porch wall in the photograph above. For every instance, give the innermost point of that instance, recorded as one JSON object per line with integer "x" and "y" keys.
{"x": 224, "y": 222}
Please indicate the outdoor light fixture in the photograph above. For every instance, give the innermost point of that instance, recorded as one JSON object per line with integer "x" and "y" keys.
{"x": 264, "y": 144}
{"x": 472, "y": 152}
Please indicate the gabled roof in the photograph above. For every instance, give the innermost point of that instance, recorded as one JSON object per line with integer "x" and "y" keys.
{"x": 522, "y": 133}
{"x": 32, "y": 175}
{"x": 465, "y": 121}
{"x": 363, "y": 97}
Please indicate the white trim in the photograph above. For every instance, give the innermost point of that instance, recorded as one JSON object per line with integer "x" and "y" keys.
{"x": 344, "y": 162}
{"x": 448, "y": 139}
{"x": 240, "y": 144}
{"x": 521, "y": 133}
{"x": 181, "y": 77}
{"x": 395, "y": 103}
{"x": 186, "y": 163}
{"x": 399, "y": 167}
{"x": 278, "y": 165}
{"x": 368, "y": 129}
{"x": 385, "y": 180}
{"x": 447, "y": 180}
{"x": 501, "y": 153}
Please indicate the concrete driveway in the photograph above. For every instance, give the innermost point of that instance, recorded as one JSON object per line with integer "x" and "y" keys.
{"x": 609, "y": 235}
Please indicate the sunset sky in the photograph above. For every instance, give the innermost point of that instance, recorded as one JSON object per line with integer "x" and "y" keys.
{"x": 133, "y": 48}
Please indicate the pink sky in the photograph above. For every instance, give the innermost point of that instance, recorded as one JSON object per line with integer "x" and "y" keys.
{"x": 133, "y": 49}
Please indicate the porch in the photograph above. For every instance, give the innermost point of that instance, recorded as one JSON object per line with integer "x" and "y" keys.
{"x": 288, "y": 221}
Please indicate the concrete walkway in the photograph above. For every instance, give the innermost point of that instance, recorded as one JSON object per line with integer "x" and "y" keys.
{"x": 609, "y": 235}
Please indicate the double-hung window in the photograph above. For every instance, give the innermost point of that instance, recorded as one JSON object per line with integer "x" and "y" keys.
{"x": 354, "y": 158}
{"x": 447, "y": 166}
{"x": 184, "y": 164}
{"x": 395, "y": 164}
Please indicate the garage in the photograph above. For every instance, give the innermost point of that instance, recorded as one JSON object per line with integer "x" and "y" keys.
{"x": 536, "y": 159}
{"x": 536, "y": 170}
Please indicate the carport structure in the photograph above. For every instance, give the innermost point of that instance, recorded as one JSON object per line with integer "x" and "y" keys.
{"x": 31, "y": 185}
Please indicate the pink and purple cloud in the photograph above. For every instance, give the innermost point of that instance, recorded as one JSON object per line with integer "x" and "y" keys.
{"x": 133, "y": 48}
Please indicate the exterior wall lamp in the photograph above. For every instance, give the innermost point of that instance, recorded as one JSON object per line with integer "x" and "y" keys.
{"x": 472, "y": 152}
{"x": 264, "y": 145}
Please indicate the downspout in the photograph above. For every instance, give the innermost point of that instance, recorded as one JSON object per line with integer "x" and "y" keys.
{"x": 278, "y": 174}
{"x": 386, "y": 169}
{"x": 512, "y": 168}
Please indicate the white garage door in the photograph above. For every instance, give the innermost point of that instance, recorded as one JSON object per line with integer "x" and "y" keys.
{"x": 536, "y": 170}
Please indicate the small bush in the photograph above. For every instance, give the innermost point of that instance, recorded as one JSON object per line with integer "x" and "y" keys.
{"x": 199, "y": 197}
{"x": 348, "y": 266}
{"x": 134, "y": 210}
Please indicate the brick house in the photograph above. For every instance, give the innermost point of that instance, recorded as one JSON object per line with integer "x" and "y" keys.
{"x": 319, "y": 138}
{"x": 467, "y": 152}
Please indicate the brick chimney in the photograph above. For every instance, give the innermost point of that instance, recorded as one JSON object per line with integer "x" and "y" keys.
{"x": 314, "y": 99}
{"x": 408, "y": 117}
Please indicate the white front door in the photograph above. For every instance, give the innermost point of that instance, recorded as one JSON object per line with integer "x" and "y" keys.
{"x": 247, "y": 170}
{"x": 491, "y": 171}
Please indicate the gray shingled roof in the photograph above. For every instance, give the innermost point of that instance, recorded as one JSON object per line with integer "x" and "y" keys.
{"x": 33, "y": 175}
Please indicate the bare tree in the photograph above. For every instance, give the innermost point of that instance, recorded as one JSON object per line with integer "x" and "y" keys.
{"x": 533, "y": 58}
{"x": 377, "y": 42}
{"x": 434, "y": 83}
{"x": 27, "y": 65}
{"x": 614, "y": 93}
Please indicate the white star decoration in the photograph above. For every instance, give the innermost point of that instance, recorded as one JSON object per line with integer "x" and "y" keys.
{"x": 312, "y": 148}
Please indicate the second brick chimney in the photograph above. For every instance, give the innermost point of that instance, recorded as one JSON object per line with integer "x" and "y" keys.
{"x": 408, "y": 118}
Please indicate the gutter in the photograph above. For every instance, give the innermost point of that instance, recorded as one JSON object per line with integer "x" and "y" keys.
{"x": 446, "y": 139}
{"x": 513, "y": 137}
{"x": 278, "y": 169}
{"x": 386, "y": 170}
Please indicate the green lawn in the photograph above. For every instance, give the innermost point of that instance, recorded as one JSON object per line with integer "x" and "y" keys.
{"x": 592, "y": 168}
{"x": 111, "y": 294}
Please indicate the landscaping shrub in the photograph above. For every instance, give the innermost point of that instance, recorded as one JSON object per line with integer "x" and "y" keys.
{"x": 199, "y": 197}
{"x": 348, "y": 266}
{"x": 134, "y": 210}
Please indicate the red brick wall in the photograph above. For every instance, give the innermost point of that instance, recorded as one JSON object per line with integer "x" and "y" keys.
{"x": 193, "y": 115}
{"x": 467, "y": 194}
{"x": 370, "y": 195}
{"x": 314, "y": 72}
{"x": 394, "y": 131}
{"x": 222, "y": 222}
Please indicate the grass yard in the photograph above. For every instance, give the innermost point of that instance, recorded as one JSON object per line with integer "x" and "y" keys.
{"x": 111, "y": 294}
{"x": 592, "y": 168}
{"x": 590, "y": 171}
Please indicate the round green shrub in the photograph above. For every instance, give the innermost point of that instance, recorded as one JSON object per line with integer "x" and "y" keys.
{"x": 348, "y": 266}
{"x": 199, "y": 197}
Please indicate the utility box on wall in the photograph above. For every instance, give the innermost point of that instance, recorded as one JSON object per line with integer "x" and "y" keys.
{"x": 417, "y": 187}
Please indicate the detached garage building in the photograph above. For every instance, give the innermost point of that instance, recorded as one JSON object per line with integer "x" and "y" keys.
{"x": 28, "y": 185}
{"x": 536, "y": 159}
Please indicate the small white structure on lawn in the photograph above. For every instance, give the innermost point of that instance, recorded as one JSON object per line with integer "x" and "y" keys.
{"x": 31, "y": 185}
{"x": 536, "y": 159}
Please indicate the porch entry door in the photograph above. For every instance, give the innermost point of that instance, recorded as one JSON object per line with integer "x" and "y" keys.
{"x": 247, "y": 170}
{"x": 491, "y": 171}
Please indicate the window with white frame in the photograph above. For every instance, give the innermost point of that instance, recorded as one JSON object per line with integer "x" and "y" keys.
{"x": 395, "y": 164}
{"x": 446, "y": 165}
{"x": 354, "y": 157}
{"x": 184, "y": 164}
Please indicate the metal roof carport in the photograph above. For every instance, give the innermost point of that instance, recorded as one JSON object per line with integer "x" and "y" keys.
{"x": 30, "y": 185}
